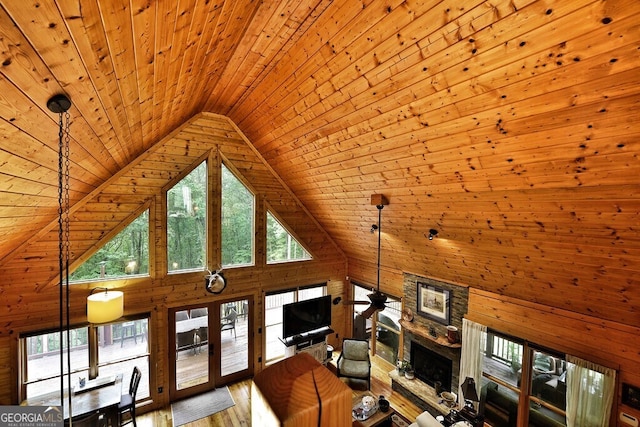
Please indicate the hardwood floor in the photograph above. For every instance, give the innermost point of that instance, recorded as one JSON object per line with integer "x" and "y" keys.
{"x": 240, "y": 414}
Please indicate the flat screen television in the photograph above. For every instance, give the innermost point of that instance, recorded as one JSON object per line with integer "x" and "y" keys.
{"x": 305, "y": 316}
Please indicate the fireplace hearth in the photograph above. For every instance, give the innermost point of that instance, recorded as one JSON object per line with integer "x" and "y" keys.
{"x": 430, "y": 366}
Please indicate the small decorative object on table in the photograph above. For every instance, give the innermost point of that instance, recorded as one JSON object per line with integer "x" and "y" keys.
{"x": 368, "y": 403}
{"x": 365, "y": 409}
{"x": 383, "y": 404}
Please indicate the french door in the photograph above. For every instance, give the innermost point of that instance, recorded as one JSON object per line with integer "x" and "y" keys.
{"x": 212, "y": 343}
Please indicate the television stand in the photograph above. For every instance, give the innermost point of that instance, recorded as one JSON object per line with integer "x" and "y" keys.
{"x": 313, "y": 342}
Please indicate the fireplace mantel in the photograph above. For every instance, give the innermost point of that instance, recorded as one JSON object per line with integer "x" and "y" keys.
{"x": 417, "y": 330}
{"x": 422, "y": 394}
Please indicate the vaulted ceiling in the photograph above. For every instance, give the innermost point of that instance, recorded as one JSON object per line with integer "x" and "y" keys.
{"x": 509, "y": 126}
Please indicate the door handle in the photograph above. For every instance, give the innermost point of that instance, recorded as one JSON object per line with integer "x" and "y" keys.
{"x": 211, "y": 352}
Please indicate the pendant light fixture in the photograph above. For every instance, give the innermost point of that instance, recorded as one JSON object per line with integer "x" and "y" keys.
{"x": 103, "y": 307}
{"x": 60, "y": 104}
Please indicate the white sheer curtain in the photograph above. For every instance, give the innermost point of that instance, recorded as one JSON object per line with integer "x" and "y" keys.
{"x": 473, "y": 335}
{"x": 590, "y": 390}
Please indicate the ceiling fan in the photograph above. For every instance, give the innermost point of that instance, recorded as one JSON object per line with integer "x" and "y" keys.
{"x": 377, "y": 299}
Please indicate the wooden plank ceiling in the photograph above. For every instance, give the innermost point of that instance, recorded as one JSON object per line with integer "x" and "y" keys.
{"x": 509, "y": 126}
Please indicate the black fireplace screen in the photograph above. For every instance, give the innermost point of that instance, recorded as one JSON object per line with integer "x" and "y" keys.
{"x": 430, "y": 366}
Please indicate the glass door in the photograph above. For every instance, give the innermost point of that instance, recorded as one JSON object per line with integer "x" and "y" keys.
{"x": 235, "y": 343}
{"x": 212, "y": 345}
{"x": 189, "y": 337}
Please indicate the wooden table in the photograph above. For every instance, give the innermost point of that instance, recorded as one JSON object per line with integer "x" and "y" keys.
{"x": 99, "y": 395}
{"x": 192, "y": 324}
{"x": 375, "y": 419}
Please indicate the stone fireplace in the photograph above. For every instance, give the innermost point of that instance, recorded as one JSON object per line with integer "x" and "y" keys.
{"x": 432, "y": 357}
{"x": 431, "y": 367}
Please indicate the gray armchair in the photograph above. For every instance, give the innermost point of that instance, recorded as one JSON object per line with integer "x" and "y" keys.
{"x": 354, "y": 360}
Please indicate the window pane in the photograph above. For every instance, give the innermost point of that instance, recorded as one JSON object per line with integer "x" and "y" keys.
{"x": 388, "y": 330}
{"x": 310, "y": 293}
{"x": 125, "y": 255}
{"x": 186, "y": 221}
{"x": 121, "y": 346}
{"x": 361, "y": 325}
{"x": 273, "y": 323}
{"x": 43, "y": 360}
{"x": 237, "y": 222}
{"x": 500, "y": 404}
{"x": 503, "y": 359}
{"x": 273, "y": 316}
{"x": 281, "y": 246}
{"x": 548, "y": 385}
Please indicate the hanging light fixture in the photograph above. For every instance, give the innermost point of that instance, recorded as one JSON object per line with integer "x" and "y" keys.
{"x": 60, "y": 104}
{"x": 104, "y": 306}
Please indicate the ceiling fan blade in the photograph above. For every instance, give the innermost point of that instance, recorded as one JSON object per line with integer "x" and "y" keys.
{"x": 369, "y": 311}
{"x": 355, "y": 302}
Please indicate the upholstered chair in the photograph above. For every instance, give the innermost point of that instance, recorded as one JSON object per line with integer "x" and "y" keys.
{"x": 354, "y": 360}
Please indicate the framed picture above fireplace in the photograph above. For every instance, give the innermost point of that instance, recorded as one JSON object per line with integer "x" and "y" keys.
{"x": 434, "y": 303}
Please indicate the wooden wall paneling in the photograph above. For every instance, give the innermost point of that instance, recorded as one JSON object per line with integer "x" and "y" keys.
{"x": 280, "y": 149}
{"x": 104, "y": 212}
{"x": 47, "y": 83}
{"x": 143, "y": 23}
{"x": 186, "y": 20}
{"x": 115, "y": 35}
{"x": 7, "y": 393}
{"x": 193, "y": 73}
{"x": 361, "y": 23}
{"x": 246, "y": 114}
{"x": 339, "y": 124}
{"x": 221, "y": 51}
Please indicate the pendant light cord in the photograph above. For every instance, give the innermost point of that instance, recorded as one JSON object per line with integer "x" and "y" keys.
{"x": 379, "y": 241}
{"x": 63, "y": 247}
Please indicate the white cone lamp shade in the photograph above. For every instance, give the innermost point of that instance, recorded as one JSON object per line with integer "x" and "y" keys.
{"x": 103, "y": 307}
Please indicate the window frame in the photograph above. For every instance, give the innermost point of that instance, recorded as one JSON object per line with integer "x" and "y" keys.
{"x": 207, "y": 214}
{"x": 146, "y": 207}
{"x": 237, "y": 175}
{"x": 296, "y": 297}
{"x": 93, "y": 350}
{"x": 526, "y": 399}
{"x": 281, "y": 223}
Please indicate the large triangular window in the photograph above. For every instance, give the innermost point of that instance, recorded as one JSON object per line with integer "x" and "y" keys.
{"x": 281, "y": 245}
{"x": 187, "y": 222}
{"x": 125, "y": 255}
{"x": 237, "y": 223}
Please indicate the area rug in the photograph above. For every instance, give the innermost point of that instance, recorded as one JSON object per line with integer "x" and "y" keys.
{"x": 194, "y": 408}
{"x": 399, "y": 421}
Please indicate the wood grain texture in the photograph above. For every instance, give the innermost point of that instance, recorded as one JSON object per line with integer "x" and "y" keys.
{"x": 508, "y": 125}
{"x": 299, "y": 391}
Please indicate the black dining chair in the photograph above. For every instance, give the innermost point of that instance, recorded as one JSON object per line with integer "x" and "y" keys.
{"x": 127, "y": 406}
{"x": 182, "y": 315}
{"x": 228, "y": 322}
